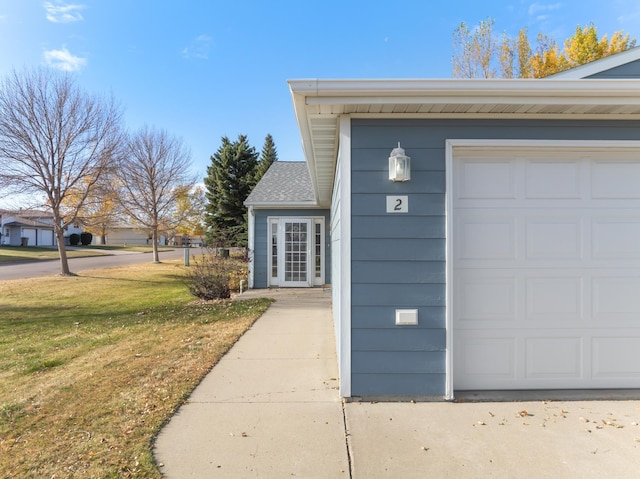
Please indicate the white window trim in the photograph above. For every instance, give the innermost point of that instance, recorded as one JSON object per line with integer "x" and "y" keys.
{"x": 561, "y": 147}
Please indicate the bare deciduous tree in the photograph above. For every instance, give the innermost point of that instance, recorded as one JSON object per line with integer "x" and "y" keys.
{"x": 473, "y": 50}
{"x": 53, "y": 137}
{"x": 153, "y": 173}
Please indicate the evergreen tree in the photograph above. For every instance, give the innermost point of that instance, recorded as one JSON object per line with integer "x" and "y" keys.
{"x": 268, "y": 155}
{"x": 229, "y": 180}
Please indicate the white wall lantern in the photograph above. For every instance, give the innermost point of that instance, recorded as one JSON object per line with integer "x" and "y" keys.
{"x": 399, "y": 165}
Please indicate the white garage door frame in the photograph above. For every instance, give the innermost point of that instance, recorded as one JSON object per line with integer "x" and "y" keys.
{"x": 561, "y": 148}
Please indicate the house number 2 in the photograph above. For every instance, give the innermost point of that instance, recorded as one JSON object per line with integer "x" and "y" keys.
{"x": 397, "y": 204}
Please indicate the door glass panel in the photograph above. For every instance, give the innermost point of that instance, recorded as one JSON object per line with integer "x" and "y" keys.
{"x": 274, "y": 250}
{"x": 295, "y": 248}
{"x": 318, "y": 249}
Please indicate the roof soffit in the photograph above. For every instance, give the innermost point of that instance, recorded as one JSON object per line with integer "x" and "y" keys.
{"x": 318, "y": 104}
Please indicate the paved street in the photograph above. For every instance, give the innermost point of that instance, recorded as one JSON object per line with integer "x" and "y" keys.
{"x": 45, "y": 268}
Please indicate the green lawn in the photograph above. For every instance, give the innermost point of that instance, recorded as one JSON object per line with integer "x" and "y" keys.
{"x": 92, "y": 366}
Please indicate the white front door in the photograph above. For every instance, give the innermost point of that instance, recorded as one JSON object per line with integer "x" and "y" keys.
{"x": 294, "y": 255}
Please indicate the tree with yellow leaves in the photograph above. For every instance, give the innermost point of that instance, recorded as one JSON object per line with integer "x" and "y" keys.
{"x": 191, "y": 204}
{"x": 100, "y": 209}
{"x": 475, "y": 52}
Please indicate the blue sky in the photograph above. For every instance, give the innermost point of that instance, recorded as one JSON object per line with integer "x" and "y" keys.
{"x": 203, "y": 69}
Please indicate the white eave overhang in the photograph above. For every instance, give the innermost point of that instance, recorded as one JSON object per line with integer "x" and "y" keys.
{"x": 318, "y": 104}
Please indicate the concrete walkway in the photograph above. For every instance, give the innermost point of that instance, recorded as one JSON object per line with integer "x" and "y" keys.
{"x": 270, "y": 409}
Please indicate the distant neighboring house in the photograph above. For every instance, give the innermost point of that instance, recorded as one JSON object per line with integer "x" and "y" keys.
{"x": 496, "y": 248}
{"x": 128, "y": 235}
{"x": 188, "y": 240}
{"x": 30, "y": 228}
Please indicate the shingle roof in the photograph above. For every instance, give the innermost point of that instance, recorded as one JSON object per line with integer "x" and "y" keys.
{"x": 27, "y": 213}
{"x": 21, "y": 221}
{"x": 284, "y": 182}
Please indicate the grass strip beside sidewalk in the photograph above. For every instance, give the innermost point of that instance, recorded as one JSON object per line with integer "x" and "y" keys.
{"x": 92, "y": 366}
{"x": 13, "y": 254}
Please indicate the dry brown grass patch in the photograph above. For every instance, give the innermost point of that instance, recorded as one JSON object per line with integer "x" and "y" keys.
{"x": 93, "y": 366}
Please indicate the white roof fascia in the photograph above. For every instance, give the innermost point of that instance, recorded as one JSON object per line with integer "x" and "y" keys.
{"x": 598, "y": 66}
{"x": 469, "y": 90}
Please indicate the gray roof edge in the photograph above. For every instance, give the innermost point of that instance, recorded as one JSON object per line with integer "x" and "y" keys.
{"x": 598, "y": 66}
{"x": 284, "y": 204}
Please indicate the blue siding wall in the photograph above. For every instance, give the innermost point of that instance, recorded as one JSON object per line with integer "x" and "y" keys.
{"x": 260, "y": 279}
{"x": 398, "y": 260}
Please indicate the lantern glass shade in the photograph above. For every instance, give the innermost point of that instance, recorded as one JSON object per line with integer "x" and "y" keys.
{"x": 399, "y": 165}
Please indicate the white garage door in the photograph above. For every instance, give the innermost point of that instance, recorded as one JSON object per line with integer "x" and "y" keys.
{"x": 29, "y": 233}
{"x": 46, "y": 238}
{"x": 546, "y": 268}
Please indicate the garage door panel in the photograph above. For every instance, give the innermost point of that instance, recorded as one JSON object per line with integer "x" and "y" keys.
{"x": 616, "y": 357}
{"x": 616, "y": 297}
{"x": 550, "y": 179}
{"x": 615, "y": 237}
{"x": 554, "y": 358}
{"x": 555, "y": 299}
{"x": 487, "y": 237}
{"x": 486, "y": 298}
{"x": 485, "y": 179}
{"x": 554, "y": 237}
{"x": 612, "y": 179}
{"x": 486, "y": 357}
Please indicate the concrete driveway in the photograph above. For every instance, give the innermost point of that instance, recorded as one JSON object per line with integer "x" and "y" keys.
{"x": 270, "y": 409}
{"x": 581, "y": 439}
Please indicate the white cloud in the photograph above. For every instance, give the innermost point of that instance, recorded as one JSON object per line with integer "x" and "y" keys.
{"x": 199, "y": 48}
{"x": 538, "y": 8}
{"x": 63, "y": 60}
{"x": 60, "y": 12}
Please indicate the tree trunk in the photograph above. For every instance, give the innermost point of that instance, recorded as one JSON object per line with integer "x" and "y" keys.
{"x": 62, "y": 251}
{"x": 154, "y": 239}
